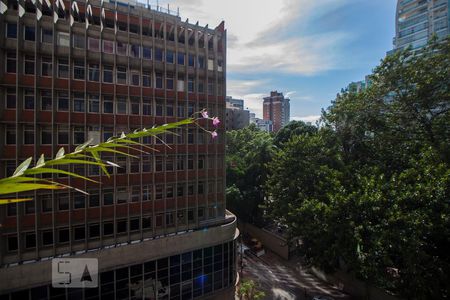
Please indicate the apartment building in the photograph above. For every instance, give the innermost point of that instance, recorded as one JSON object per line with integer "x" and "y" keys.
{"x": 93, "y": 69}
{"x": 418, "y": 20}
{"x": 236, "y": 116}
{"x": 276, "y": 108}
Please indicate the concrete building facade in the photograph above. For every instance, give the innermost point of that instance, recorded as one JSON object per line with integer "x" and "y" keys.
{"x": 276, "y": 108}
{"x": 236, "y": 116}
{"x": 417, "y": 20}
{"x": 158, "y": 226}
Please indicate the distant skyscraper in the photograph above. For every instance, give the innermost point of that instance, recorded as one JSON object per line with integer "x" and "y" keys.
{"x": 418, "y": 20}
{"x": 237, "y": 117}
{"x": 276, "y": 109}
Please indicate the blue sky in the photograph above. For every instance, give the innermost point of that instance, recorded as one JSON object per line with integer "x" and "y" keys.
{"x": 307, "y": 49}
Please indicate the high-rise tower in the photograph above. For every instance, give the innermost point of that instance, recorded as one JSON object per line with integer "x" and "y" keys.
{"x": 276, "y": 108}
{"x": 418, "y": 20}
{"x": 158, "y": 227}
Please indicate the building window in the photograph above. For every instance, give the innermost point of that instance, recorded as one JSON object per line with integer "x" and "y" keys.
{"x": 147, "y": 222}
{"x": 79, "y": 201}
{"x": 78, "y": 135}
{"x": 108, "y": 74}
{"x": 78, "y": 70}
{"x": 190, "y": 84}
{"x": 121, "y": 75}
{"x": 210, "y": 88}
{"x": 63, "y": 68}
{"x": 94, "y": 103}
{"x": 63, "y": 235}
{"x": 11, "y": 98}
{"x": 147, "y": 192}
{"x": 79, "y": 233}
{"x": 169, "y": 111}
{"x": 135, "y": 105}
{"x": 94, "y": 230}
{"x": 159, "y": 54}
{"x": 28, "y": 135}
{"x": 169, "y": 82}
{"x": 181, "y": 57}
{"x": 46, "y": 203}
{"x": 108, "y": 46}
{"x": 63, "y": 101}
{"x": 63, "y": 202}
{"x": 159, "y": 81}
{"x": 11, "y": 62}
{"x": 108, "y": 197}
{"x": 147, "y": 78}
{"x": 47, "y": 238}
{"x": 47, "y": 36}
{"x": 147, "y": 52}
{"x": 46, "y": 136}
{"x": 28, "y": 99}
{"x": 146, "y": 106}
{"x": 28, "y": 65}
{"x": 122, "y": 48}
{"x": 135, "y": 51}
{"x": 11, "y": 208}
{"x": 135, "y": 224}
{"x": 191, "y": 109}
{"x": 108, "y": 105}
{"x": 135, "y": 193}
{"x": 79, "y": 41}
{"x": 63, "y": 135}
{"x": 94, "y": 72}
{"x": 10, "y": 135}
{"x": 108, "y": 228}
{"x": 30, "y": 33}
{"x": 63, "y": 39}
{"x": 121, "y": 105}
{"x": 180, "y": 163}
{"x": 30, "y": 240}
{"x": 159, "y": 109}
{"x": 11, "y": 30}
{"x": 94, "y": 199}
{"x": 191, "y": 60}
{"x": 191, "y": 136}
{"x": 122, "y": 195}
{"x": 190, "y": 162}
{"x": 169, "y": 56}
{"x": 135, "y": 78}
{"x": 181, "y": 111}
{"x": 159, "y": 191}
{"x": 78, "y": 102}
{"x": 46, "y": 100}
{"x": 93, "y": 44}
{"x": 46, "y": 66}
{"x": 201, "y": 86}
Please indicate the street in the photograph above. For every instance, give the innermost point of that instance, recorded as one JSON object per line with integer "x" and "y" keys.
{"x": 285, "y": 280}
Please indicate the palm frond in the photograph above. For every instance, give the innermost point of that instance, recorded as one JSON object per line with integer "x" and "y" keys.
{"x": 24, "y": 177}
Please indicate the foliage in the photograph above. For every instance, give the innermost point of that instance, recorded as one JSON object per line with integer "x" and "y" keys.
{"x": 247, "y": 290}
{"x": 248, "y": 150}
{"x": 369, "y": 192}
{"x": 24, "y": 178}
{"x": 293, "y": 128}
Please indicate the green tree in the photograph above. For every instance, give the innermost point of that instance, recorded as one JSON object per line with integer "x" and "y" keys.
{"x": 248, "y": 290}
{"x": 248, "y": 150}
{"x": 291, "y": 129}
{"x": 369, "y": 191}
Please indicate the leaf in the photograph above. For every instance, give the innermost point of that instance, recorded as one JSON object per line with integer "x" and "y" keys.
{"x": 73, "y": 161}
{"x": 56, "y": 171}
{"x": 22, "y": 167}
{"x": 11, "y": 187}
{"x": 7, "y": 201}
{"x": 60, "y": 153}
{"x": 97, "y": 157}
{"x": 84, "y": 145}
{"x": 40, "y": 162}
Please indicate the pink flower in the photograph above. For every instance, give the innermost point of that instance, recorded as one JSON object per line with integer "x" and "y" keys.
{"x": 205, "y": 114}
{"x": 216, "y": 121}
{"x": 214, "y": 134}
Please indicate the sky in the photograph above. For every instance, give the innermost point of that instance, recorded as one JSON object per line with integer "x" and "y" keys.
{"x": 306, "y": 49}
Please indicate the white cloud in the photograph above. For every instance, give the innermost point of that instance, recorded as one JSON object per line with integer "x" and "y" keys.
{"x": 252, "y": 91}
{"x": 257, "y": 33}
{"x": 311, "y": 119}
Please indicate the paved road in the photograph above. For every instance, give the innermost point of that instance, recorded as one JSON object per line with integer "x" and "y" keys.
{"x": 284, "y": 280}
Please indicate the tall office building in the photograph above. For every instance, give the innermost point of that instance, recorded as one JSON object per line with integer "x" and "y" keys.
{"x": 276, "y": 108}
{"x": 418, "y": 20}
{"x": 158, "y": 226}
{"x": 236, "y": 116}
